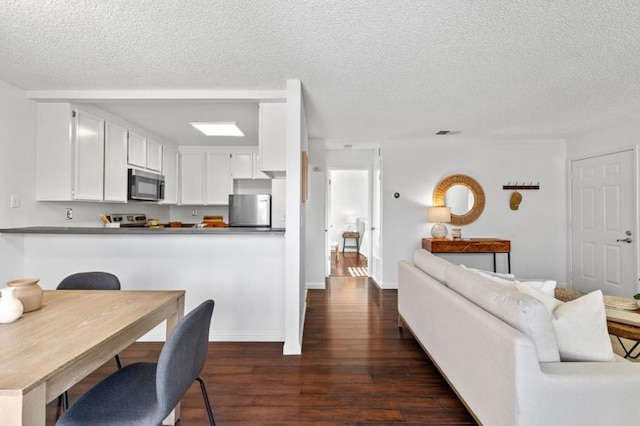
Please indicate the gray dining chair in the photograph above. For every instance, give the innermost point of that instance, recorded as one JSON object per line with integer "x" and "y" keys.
{"x": 144, "y": 393}
{"x": 88, "y": 281}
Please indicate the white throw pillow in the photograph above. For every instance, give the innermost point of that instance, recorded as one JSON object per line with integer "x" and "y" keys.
{"x": 580, "y": 325}
{"x": 551, "y": 303}
{"x": 495, "y": 274}
{"x": 497, "y": 279}
{"x": 547, "y": 287}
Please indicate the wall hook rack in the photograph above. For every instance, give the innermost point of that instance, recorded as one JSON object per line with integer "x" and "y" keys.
{"x": 521, "y": 186}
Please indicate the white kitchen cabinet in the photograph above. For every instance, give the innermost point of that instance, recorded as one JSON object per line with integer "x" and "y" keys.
{"x": 272, "y": 138}
{"x": 219, "y": 183}
{"x": 144, "y": 153}
{"x": 70, "y": 153}
{"x": 257, "y": 173}
{"x": 88, "y": 141}
{"x": 208, "y": 172}
{"x": 170, "y": 171}
{"x": 242, "y": 165}
{"x": 137, "y": 153}
{"x": 115, "y": 163}
{"x": 192, "y": 178}
{"x": 154, "y": 156}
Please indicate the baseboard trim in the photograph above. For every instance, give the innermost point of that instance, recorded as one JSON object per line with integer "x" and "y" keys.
{"x": 315, "y": 286}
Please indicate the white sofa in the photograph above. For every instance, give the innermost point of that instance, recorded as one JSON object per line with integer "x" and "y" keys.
{"x": 495, "y": 348}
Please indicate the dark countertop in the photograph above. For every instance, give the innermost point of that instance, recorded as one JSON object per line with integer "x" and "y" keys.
{"x": 139, "y": 231}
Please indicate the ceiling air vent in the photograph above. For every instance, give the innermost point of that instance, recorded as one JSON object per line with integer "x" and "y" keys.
{"x": 448, "y": 132}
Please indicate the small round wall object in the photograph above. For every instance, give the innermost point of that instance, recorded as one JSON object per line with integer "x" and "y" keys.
{"x": 396, "y": 195}
{"x": 516, "y": 199}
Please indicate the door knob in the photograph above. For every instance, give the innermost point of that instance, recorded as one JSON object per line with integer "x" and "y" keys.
{"x": 625, "y": 240}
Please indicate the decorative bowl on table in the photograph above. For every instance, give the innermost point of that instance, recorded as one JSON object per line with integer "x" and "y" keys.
{"x": 28, "y": 292}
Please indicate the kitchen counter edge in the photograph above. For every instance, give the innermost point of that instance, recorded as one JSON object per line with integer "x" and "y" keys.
{"x": 139, "y": 231}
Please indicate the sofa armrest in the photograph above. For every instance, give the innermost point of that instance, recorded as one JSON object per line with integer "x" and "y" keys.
{"x": 580, "y": 393}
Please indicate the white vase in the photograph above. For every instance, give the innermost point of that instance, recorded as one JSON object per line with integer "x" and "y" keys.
{"x": 10, "y": 307}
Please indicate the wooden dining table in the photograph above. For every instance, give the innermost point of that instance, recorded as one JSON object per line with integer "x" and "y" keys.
{"x": 47, "y": 351}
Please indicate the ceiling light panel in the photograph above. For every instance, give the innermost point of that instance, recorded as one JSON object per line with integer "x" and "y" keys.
{"x": 217, "y": 129}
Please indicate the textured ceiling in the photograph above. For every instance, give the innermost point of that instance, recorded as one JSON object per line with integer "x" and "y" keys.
{"x": 370, "y": 69}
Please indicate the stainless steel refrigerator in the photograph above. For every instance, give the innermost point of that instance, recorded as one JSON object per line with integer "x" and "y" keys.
{"x": 250, "y": 210}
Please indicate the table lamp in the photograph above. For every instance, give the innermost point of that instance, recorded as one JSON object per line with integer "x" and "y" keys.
{"x": 439, "y": 215}
{"x": 351, "y": 222}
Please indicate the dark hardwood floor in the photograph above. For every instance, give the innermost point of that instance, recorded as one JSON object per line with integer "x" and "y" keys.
{"x": 340, "y": 267}
{"x": 356, "y": 368}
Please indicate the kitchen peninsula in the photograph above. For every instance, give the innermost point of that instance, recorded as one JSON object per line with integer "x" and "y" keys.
{"x": 242, "y": 269}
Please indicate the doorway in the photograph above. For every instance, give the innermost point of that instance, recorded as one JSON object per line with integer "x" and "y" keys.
{"x": 603, "y": 224}
{"x": 348, "y": 224}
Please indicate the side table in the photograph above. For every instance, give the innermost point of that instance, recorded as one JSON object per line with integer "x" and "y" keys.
{"x": 353, "y": 235}
{"x": 470, "y": 245}
{"x": 625, "y": 324}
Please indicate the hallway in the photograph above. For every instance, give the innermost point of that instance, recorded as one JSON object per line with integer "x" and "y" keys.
{"x": 357, "y": 368}
{"x": 351, "y": 264}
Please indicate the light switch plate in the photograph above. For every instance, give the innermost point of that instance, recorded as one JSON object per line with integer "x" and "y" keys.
{"x": 15, "y": 201}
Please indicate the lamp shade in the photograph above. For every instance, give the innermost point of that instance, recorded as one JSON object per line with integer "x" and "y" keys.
{"x": 439, "y": 214}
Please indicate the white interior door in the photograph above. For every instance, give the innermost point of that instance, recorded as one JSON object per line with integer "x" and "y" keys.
{"x": 375, "y": 265}
{"x": 603, "y": 224}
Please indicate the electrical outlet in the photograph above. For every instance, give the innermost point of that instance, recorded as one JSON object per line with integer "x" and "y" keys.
{"x": 194, "y": 212}
{"x": 69, "y": 213}
{"x": 15, "y": 201}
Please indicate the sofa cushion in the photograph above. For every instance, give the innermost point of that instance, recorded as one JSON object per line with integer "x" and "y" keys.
{"x": 431, "y": 264}
{"x": 493, "y": 274}
{"x": 580, "y": 325}
{"x": 545, "y": 286}
{"x": 521, "y": 311}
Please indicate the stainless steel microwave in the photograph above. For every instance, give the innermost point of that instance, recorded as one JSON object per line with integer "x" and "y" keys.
{"x": 145, "y": 186}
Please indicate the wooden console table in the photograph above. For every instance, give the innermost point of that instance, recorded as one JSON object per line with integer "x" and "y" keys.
{"x": 470, "y": 245}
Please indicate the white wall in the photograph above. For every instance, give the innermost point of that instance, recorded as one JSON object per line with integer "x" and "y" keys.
{"x": 17, "y": 155}
{"x": 17, "y": 174}
{"x": 324, "y": 160}
{"x": 349, "y": 200}
{"x": 315, "y": 227}
{"x": 248, "y": 289}
{"x": 538, "y": 230}
{"x": 621, "y": 135}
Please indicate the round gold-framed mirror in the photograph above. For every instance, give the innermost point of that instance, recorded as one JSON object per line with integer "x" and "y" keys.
{"x": 459, "y": 199}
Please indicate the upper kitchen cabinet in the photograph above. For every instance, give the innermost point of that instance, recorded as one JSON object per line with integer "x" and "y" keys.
{"x": 192, "y": 178}
{"x": 144, "y": 153}
{"x": 154, "y": 155}
{"x": 70, "y": 153}
{"x": 206, "y": 175}
{"x": 115, "y": 163}
{"x": 244, "y": 165}
{"x": 137, "y": 153}
{"x": 218, "y": 178}
{"x": 272, "y": 139}
{"x": 170, "y": 170}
